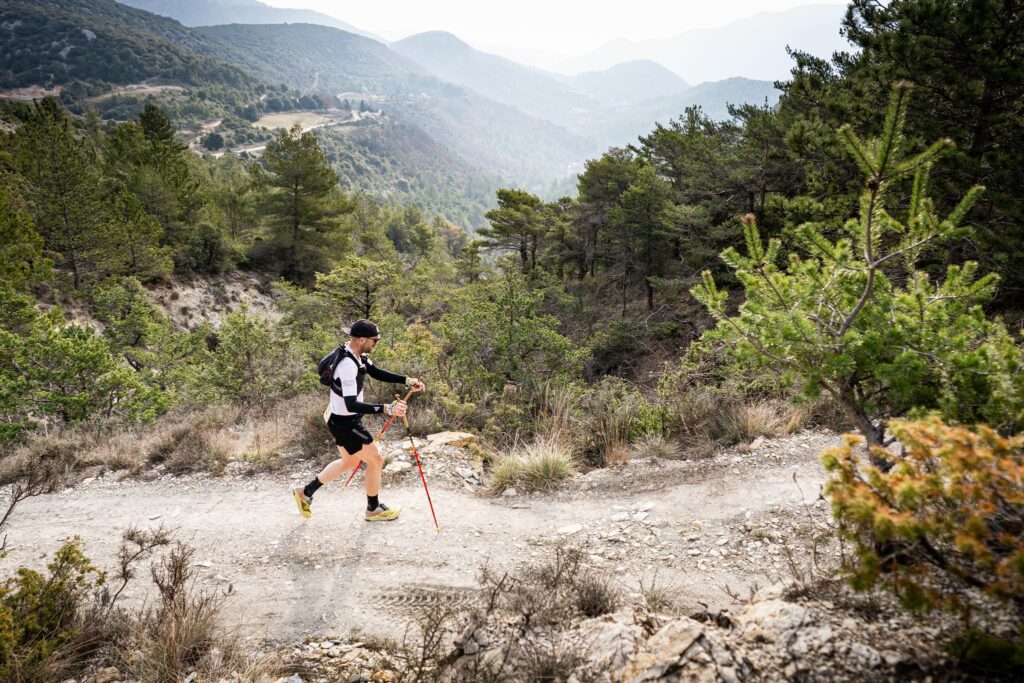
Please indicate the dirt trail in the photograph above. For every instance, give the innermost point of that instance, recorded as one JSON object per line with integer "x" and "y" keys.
{"x": 335, "y": 572}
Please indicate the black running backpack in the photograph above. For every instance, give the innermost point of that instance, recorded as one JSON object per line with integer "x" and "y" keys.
{"x": 325, "y": 368}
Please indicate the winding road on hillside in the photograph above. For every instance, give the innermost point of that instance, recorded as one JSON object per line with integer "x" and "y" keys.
{"x": 701, "y": 526}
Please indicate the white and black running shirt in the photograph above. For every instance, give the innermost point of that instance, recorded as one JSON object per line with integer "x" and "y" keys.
{"x": 349, "y": 376}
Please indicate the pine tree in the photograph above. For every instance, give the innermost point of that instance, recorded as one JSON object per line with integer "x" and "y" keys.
{"x": 233, "y": 192}
{"x": 303, "y": 205}
{"x": 857, "y": 319}
{"x": 516, "y": 224}
{"x": 62, "y": 188}
{"x": 145, "y": 159}
{"x": 600, "y": 186}
{"x": 21, "y": 248}
{"x": 966, "y": 60}
{"x": 640, "y": 231}
{"x": 136, "y": 235}
{"x": 358, "y": 287}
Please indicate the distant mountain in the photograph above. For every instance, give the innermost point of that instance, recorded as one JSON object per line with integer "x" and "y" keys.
{"x": 533, "y": 91}
{"x": 512, "y": 144}
{"x": 629, "y": 82}
{"x": 608, "y": 107}
{"x": 625, "y": 125}
{"x": 213, "y": 12}
{"x": 314, "y": 58}
{"x": 754, "y": 47}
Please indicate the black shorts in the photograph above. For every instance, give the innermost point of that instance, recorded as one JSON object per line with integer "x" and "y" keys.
{"x": 349, "y": 433}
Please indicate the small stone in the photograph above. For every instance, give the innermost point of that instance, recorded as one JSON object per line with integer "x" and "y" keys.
{"x": 510, "y": 492}
{"x": 697, "y": 524}
{"x": 866, "y": 654}
{"x": 693, "y": 552}
{"x": 108, "y": 675}
{"x": 620, "y": 516}
{"x": 206, "y": 564}
{"x": 470, "y": 647}
{"x": 570, "y": 530}
{"x": 397, "y": 467}
{"x": 722, "y": 541}
{"x": 192, "y": 677}
{"x": 649, "y": 505}
{"x": 451, "y": 439}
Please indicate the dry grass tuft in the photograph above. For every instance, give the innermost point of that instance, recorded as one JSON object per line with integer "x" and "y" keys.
{"x": 659, "y": 596}
{"x": 197, "y": 450}
{"x": 657, "y": 446}
{"x": 538, "y": 466}
{"x": 743, "y": 422}
{"x": 595, "y": 595}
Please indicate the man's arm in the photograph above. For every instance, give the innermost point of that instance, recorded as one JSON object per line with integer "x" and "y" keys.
{"x": 383, "y": 375}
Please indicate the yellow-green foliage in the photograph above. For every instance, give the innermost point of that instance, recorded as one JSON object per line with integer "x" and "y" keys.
{"x": 949, "y": 515}
{"x": 38, "y": 614}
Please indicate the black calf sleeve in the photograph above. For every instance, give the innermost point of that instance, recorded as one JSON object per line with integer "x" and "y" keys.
{"x": 312, "y": 487}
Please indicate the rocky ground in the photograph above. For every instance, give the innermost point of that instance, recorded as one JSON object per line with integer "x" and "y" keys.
{"x": 718, "y": 539}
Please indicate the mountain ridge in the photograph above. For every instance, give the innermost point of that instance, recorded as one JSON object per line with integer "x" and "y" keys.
{"x": 752, "y": 47}
{"x": 194, "y": 13}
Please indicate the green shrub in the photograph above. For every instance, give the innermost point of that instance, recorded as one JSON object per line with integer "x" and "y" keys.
{"x": 989, "y": 656}
{"x": 945, "y": 520}
{"x": 254, "y": 361}
{"x": 40, "y": 631}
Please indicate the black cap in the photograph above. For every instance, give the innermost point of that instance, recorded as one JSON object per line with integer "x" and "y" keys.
{"x": 362, "y": 328}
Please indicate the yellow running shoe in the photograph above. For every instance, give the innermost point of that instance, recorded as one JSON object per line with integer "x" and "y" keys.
{"x": 303, "y": 503}
{"x": 382, "y": 513}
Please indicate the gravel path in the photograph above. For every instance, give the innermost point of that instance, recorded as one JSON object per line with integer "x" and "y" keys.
{"x": 700, "y": 525}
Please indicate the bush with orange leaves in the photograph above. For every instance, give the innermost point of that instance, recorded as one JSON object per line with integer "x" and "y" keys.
{"x": 948, "y": 516}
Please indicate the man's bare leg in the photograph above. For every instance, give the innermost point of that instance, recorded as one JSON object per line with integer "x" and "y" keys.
{"x": 336, "y": 468}
{"x": 374, "y": 465}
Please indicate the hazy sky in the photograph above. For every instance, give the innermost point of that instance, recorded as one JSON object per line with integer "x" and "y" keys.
{"x": 567, "y": 27}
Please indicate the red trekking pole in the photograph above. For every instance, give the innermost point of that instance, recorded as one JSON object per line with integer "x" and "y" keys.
{"x": 375, "y": 440}
{"x": 423, "y": 478}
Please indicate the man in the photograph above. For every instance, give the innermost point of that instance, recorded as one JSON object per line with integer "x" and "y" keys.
{"x": 346, "y": 409}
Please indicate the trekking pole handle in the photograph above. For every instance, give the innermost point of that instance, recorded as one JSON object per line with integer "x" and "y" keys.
{"x": 405, "y": 419}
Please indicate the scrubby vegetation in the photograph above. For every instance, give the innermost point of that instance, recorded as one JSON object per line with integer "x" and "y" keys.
{"x": 867, "y": 280}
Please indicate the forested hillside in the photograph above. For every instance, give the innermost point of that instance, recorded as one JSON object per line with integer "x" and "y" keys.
{"x": 215, "y": 12}
{"x": 52, "y": 43}
{"x": 402, "y": 165}
{"x": 850, "y": 258}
